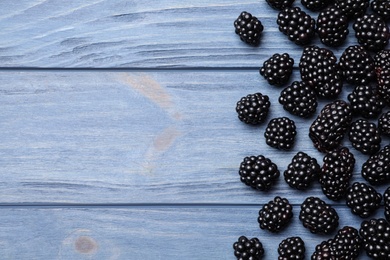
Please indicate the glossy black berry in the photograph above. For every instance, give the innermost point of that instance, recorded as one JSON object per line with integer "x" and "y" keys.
{"x": 253, "y": 109}
{"x": 375, "y": 234}
{"x": 324, "y": 251}
{"x": 366, "y": 101}
{"x": 249, "y": 28}
{"x": 347, "y": 243}
{"x": 386, "y": 202}
{"x": 275, "y": 215}
{"x": 381, "y": 8}
{"x": 382, "y": 69}
{"x": 332, "y": 27}
{"x": 248, "y": 249}
{"x": 280, "y": 133}
{"x": 277, "y": 69}
{"x": 384, "y": 123}
{"x": 365, "y": 136}
{"x": 363, "y": 199}
{"x": 291, "y": 248}
{"x": 353, "y": 8}
{"x": 280, "y": 4}
{"x": 315, "y": 5}
{"x": 372, "y": 32}
{"x": 376, "y": 170}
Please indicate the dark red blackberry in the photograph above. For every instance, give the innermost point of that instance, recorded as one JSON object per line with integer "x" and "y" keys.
{"x": 319, "y": 69}
{"x": 291, "y": 248}
{"x": 317, "y": 216}
{"x": 280, "y": 4}
{"x": 328, "y": 129}
{"x": 332, "y": 27}
{"x": 365, "y": 136}
{"x": 280, "y": 133}
{"x": 275, "y": 215}
{"x": 363, "y": 199}
{"x": 365, "y": 101}
{"x": 297, "y": 25}
{"x": 386, "y": 202}
{"x": 299, "y": 99}
{"x": 258, "y": 172}
{"x": 249, "y": 28}
{"x": 336, "y": 173}
{"x": 253, "y": 109}
{"x": 353, "y": 8}
{"x": 302, "y": 171}
{"x": 376, "y": 170}
{"x": 324, "y": 251}
{"x": 347, "y": 243}
{"x": 372, "y": 32}
{"x": 384, "y": 123}
{"x": 277, "y": 69}
{"x": 245, "y": 249}
{"x": 381, "y": 8}
{"x": 315, "y": 5}
{"x": 375, "y": 234}
{"x": 382, "y": 68}
{"x": 357, "y": 65}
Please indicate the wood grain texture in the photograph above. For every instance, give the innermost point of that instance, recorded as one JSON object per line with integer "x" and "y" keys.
{"x": 137, "y": 34}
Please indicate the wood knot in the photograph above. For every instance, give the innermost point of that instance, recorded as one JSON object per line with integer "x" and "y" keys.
{"x": 85, "y": 245}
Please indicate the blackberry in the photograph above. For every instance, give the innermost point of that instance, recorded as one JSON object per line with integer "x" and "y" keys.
{"x": 299, "y": 99}
{"x": 317, "y": 216}
{"x": 319, "y": 69}
{"x": 258, "y": 172}
{"x": 376, "y": 170}
{"x": 280, "y": 133}
{"x": 324, "y": 251}
{"x": 275, "y": 215}
{"x": 291, "y": 248}
{"x": 353, "y": 8}
{"x": 315, "y": 5}
{"x": 357, "y": 65}
{"x": 336, "y": 173}
{"x": 384, "y": 123}
{"x": 277, "y": 69}
{"x": 365, "y": 136}
{"x": 386, "y": 200}
{"x": 381, "y": 8}
{"x": 366, "y": 101}
{"x": 297, "y": 25}
{"x": 253, "y": 109}
{"x": 363, "y": 199}
{"x": 302, "y": 171}
{"x": 332, "y": 27}
{"x": 328, "y": 129}
{"x": 375, "y": 234}
{"x": 245, "y": 249}
{"x": 280, "y": 4}
{"x": 249, "y": 28}
{"x": 347, "y": 243}
{"x": 382, "y": 68}
{"x": 371, "y": 32}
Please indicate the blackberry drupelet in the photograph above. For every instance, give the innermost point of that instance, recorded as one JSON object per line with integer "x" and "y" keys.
{"x": 376, "y": 170}
{"x": 375, "y": 234}
{"x": 277, "y": 69}
{"x": 382, "y": 69}
{"x": 328, "y": 129}
{"x": 275, "y": 215}
{"x": 353, "y": 8}
{"x": 280, "y": 133}
{"x": 297, "y": 25}
{"x": 365, "y": 136}
{"x": 347, "y": 243}
{"x": 332, "y": 27}
{"x": 299, "y": 99}
{"x": 258, "y": 172}
{"x": 302, "y": 171}
{"x": 253, "y": 109}
{"x": 372, "y": 32}
{"x": 386, "y": 202}
{"x": 363, "y": 199}
{"x": 319, "y": 69}
{"x": 249, "y": 28}
{"x": 315, "y": 5}
{"x": 280, "y": 4}
{"x": 384, "y": 123}
{"x": 291, "y": 248}
{"x": 245, "y": 249}
{"x": 357, "y": 65}
{"x": 381, "y": 8}
{"x": 324, "y": 251}
{"x": 336, "y": 173}
{"x": 365, "y": 101}
{"x": 318, "y": 216}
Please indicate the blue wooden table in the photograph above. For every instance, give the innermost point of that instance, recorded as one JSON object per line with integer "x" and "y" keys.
{"x": 118, "y": 132}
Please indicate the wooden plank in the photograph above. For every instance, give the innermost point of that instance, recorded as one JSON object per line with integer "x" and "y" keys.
{"x": 144, "y": 233}
{"x": 136, "y": 137}
{"x": 141, "y": 34}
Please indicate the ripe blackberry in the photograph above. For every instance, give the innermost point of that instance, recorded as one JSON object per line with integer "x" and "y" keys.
{"x": 317, "y": 216}
{"x": 277, "y": 69}
{"x": 371, "y": 32}
{"x": 336, "y": 173}
{"x": 366, "y": 101}
{"x": 319, "y": 69}
{"x": 324, "y": 251}
{"x": 299, "y": 99}
{"x": 291, "y": 248}
{"x": 280, "y": 133}
{"x": 384, "y": 123}
{"x": 249, "y": 28}
{"x": 347, "y": 243}
{"x": 315, "y": 5}
{"x": 353, "y": 8}
{"x": 258, "y": 172}
{"x": 245, "y": 249}
{"x": 375, "y": 234}
{"x": 297, "y": 25}
{"x": 381, "y": 8}
{"x": 386, "y": 200}
{"x": 253, "y": 109}
{"x": 363, "y": 199}
{"x": 382, "y": 69}
{"x": 275, "y": 215}
{"x": 376, "y": 170}
{"x": 332, "y": 27}
{"x": 328, "y": 129}
{"x": 357, "y": 65}
{"x": 365, "y": 136}
{"x": 280, "y": 4}
{"x": 302, "y": 171}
